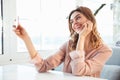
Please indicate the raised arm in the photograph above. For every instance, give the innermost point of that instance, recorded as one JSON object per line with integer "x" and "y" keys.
{"x": 21, "y": 32}
{"x": 42, "y": 65}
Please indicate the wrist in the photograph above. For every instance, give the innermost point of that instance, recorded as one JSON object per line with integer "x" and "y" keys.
{"x": 34, "y": 55}
{"x": 80, "y": 44}
{"x": 81, "y": 37}
{"x": 26, "y": 38}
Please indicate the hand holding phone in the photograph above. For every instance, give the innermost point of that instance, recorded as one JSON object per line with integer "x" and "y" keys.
{"x": 19, "y": 30}
{"x": 87, "y": 28}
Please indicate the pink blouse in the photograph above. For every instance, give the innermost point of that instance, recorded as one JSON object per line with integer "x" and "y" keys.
{"x": 78, "y": 63}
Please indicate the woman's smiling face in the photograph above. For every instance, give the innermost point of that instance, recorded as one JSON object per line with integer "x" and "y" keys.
{"x": 77, "y": 20}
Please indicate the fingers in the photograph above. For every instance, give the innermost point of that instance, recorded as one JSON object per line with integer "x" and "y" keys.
{"x": 17, "y": 29}
{"x": 85, "y": 25}
{"x": 90, "y": 24}
{"x": 17, "y": 32}
{"x": 14, "y": 26}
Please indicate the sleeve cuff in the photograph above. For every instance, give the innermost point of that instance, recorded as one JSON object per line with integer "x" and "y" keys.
{"x": 36, "y": 60}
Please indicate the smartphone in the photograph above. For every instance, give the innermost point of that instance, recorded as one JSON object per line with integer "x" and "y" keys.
{"x": 16, "y": 22}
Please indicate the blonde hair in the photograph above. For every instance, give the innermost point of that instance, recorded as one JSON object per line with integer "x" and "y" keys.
{"x": 95, "y": 39}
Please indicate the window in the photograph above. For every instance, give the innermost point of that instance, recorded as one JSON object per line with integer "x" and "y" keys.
{"x": 45, "y": 21}
{"x": 43, "y": 29}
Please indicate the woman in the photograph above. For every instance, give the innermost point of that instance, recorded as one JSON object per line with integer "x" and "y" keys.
{"x": 83, "y": 55}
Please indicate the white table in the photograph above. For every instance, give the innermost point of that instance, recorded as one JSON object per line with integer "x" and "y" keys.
{"x": 25, "y": 72}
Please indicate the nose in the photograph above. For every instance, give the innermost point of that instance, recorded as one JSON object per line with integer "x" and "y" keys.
{"x": 75, "y": 21}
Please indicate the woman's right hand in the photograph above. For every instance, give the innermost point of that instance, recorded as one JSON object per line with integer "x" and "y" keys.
{"x": 20, "y": 31}
{"x": 87, "y": 28}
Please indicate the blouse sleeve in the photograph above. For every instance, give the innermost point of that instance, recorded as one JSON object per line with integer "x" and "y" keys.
{"x": 85, "y": 67}
{"x": 42, "y": 65}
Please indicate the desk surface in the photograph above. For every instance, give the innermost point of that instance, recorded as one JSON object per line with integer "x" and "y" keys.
{"x": 25, "y": 72}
